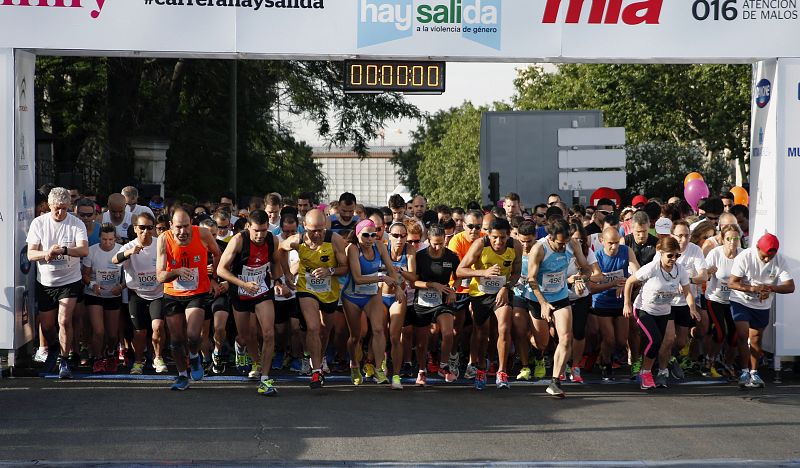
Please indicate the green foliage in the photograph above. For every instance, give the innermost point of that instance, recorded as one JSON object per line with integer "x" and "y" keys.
{"x": 449, "y": 170}
{"x": 432, "y": 130}
{"x": 702, "y": 105}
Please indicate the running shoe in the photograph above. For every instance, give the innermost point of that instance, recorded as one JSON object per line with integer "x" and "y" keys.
{"x": 447, "y": 374}
{"x": 287, "y": 359}
{"x": 661, "y": 378}
{"x": 208, "y": 365}
{"x": 181, "y": 383}
{"x": 277, "y": 361}
{"x": 325, "y": 368}
{"x": 267, "y": 388}
{"x": 501, "y": 380}
{"x": 555, "y": 390}
{"x": 380, "y": 375}
{"x": 455, "y": 363}
{"x": 99, "y": 366}
{"x": 636, "y": 368}
{"x": 755, "y": 380}
{"x": 122, "y": 355}
{"x": 218, "y": 363}
{"x": 407, "y": 370}
{"x": 433, "y": 367}
{"x": 647, "y": 380}
{"x": 50, "y": 362}
{"x": 471, "y": 372}
{"x": 713, "y": 373}
{"x": 196, "y": 368}
{"x": 64, "y": 371}
{"x": 607, "y": 372}
{"x": 539, "y": 370}
{"x": 41, "y": 355}
{"x": 84, "y": 353}
{"x": 575, "y": 375}
{"x": 524, "y": 373}
{"x": 241, "y": 360}
{"x": 396, "y": 383}
{"x": 317, "y": 380}
{"x": 480, "y": 379}
{"x": 255, "y": 371}
{"x": 422, "y": 379}
{"x": 296, "y": 366}
{"x": 112, "y": 363}
{"x": 160, "y": 365}
{"x": 305, "y": 368}
{"x": 355, "y": 376}
{"x": 684, "y": 352}
{"x": 138, "y": 368}
{"x": 744, "y": 379}
{"x": 675, "y": 369}
{"x": 369, "y": 369}
{"x": 491, "y": 369}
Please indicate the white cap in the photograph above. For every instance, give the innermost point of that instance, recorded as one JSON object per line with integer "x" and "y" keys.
{"x": 663, "y": 226}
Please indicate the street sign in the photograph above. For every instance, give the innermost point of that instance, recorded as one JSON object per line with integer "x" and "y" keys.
{"x": 583, "y": 159}
{"x": 597, "y": 136}
{"x": 591, "y": 180}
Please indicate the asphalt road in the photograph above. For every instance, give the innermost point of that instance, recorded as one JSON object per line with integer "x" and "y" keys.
{"x": 113, "y": 421}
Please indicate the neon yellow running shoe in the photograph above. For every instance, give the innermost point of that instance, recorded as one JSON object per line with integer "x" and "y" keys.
{"x": 540, "y": 370}
{"x": 524, "y": 373}
{"x": 369, "y": 370}
{"x": 380, "y": 376}
{"x": 355, "y": 376}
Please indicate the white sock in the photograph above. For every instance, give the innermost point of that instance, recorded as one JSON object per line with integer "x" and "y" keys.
{"x": 264, "y": 378}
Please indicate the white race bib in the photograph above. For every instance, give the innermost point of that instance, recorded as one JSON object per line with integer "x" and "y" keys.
{"x": 663, "y": 297}
{"x": 614, "y": 276}
{"x": 370, "y": 289}
{"x": 107, "y": 279}
{"x": 429, "y": 298}
{"x": 491, "y": 284}
{"x": 59, "y": 263}
{"x": 255, "y": 275}
{"x": 465, "y": 283}
{"x": 147, "y": 280}
{"x": 553, "y": 282}
{"x": 189, "y": 282}
{"x": 318, "y": 285}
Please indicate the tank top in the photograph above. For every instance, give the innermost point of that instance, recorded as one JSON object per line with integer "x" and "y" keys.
{"x": 402, "y": 262}
{"x": 194, "y": 257}
{"x": 368, "y": 268}
{"x": 325, "y": 289}
{"x": 253, "y": 264}
{"x": 491, "y": 285}
{"x": 615, "y": 268}
{"x": 523, "y": 289}
{"x": 552, "y": 276}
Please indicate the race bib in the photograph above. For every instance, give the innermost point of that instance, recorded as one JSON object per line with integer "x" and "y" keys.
{"x": 614, "y": 276}
{"x": 663, "y": 297}
{"x": 491, "y": 284}
{"x": 189, "y": 282}
{"x": 429, "y": 298}
{"x": 553, "y": 282}
{"x": 255, "y": 275}
{"x": 367, "y": 289}
{"x": 318, "y": 285}
{"x": 465, "y": 283}
{"x": 724, "y": 290}
{"x": 147, "y": 280}
{"x": 107, "y": 279}
{"x": 59, "y": 263}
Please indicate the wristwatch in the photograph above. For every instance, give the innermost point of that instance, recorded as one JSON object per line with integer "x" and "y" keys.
{"x": 64, "y": 250}
{"x": 331, "y": 270}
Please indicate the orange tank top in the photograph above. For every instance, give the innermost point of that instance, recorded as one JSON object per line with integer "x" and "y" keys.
{"x": 194, "y": 257}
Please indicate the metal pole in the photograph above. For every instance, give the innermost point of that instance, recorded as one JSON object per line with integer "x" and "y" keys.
{"x": 233, "y": 127}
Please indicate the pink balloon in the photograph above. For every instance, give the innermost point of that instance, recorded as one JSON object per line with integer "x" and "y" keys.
{"x": 695, "y": 190}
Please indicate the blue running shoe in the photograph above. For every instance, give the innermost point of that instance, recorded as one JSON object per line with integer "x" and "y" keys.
{"x": 480, "y": 380}
{"x": 296, "y": 365}
{"x": 267, "y": 388}
{"x": 277, "y": 361}
{"x": 51, "y": 361}
{"x": 197, "y": 368}
{"x": 64, "y": 372}
{"x": 755, "y": 381}
{"x": 181, "y": 383}
{"x": 744, "y": 379}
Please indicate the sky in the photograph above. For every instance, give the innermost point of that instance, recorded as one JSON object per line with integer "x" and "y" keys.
{"x": 481, "y": 83}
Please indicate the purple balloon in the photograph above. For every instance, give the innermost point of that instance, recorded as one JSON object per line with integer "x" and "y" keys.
{"x": 695, "y": 191}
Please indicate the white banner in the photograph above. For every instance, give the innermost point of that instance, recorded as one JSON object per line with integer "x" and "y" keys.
{"x": 24, "y": 188}
{"x": 512, "y": 30}
{"x": 8, "y": 257}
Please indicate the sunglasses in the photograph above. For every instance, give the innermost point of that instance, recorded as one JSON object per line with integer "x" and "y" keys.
{"x": 399, "y": 236}
{"x": 473, "y": 226}
{"x": 145, "y": 227}
{"x": 540, "y": 215}
{"x": 225, "y": 227}
{"x": 673, "y": 256}
{"x": 415, "y": 242}
{"x": 367, "y": 235}
{"x": 85, "y": 215}
{"x": 604, "y": 212}
{"x": 732, "y": 239}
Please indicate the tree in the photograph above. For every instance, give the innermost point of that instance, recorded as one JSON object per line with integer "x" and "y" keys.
{"x": 431, "y": 130}
{"x": 702, "y": 105}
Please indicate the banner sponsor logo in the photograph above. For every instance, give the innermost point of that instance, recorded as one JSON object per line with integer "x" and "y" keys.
{"x": 763, "y": 93}
{"x": 605, "y": 11}
{"x": 381, "y": 21}
{"x": 94, "y": 13}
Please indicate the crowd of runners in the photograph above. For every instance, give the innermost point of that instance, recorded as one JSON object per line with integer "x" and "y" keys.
{"x": 650, "y": 291}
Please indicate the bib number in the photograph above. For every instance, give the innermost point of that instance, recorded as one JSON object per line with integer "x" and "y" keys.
{"x": 147, "y": 281}
{"x": 107, "y": 279}
{"x": 429, "y": 298}
{"x": 663, "y": 297}
{"x": 255, "y": 275}
{"x": 59, "y": 263}
{"x": 189, "y": 282}
{"x": 614, "y": 276}
{"x": 318, "y": 285}
{"x": 370, "y": 289}
{"x": 491, "y": 284}
{"x": 553, "y": 282}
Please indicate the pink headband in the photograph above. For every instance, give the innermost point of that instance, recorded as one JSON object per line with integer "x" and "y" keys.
{"x": 363, "y": 225}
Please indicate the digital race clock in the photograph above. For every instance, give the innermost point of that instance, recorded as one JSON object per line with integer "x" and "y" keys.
{"x": 377, "y": 76}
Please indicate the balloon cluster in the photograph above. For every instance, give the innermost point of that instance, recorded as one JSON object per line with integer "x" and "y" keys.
{"x": 695, "y": 189}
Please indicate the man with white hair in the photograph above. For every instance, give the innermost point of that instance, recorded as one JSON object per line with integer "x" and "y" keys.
{"x": 56, "y": 241}
{"x": 131, "y": 195}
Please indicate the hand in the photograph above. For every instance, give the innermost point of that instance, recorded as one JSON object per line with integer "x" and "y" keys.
{"x": 183, "y": 272}
{"x": 53, "y": 253}
{"x": 695, "y": 314}
{"x": 223, "y": 287}
{"x": 116, "y": 290}
{"x": 282, "y": 290}
{"x": 451, "y": 297}
{"x": 620, "y": 291}
{"x": 321, "y": 273}
{"x": 711, "y": 270}
{"x": 251, "y": 287}
{"x": 289, "y": 283}
{"x": 96, "y": 290}
{"x": 494, "y": 270}
{"x": 627, "y": 311}
{"x": 502, "y": 297}
{"x": 547, "y": 311}
{"x": 763, "y": 292}
{"x": 400, "y": 295}
{"x": 210, "y": 269}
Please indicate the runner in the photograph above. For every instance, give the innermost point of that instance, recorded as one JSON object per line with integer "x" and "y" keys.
{"x": 579, "y": 299}
{"x": 725, "y": 219}
{"x": 145, "y": 293}
{"x": 548, "y": 261}
{"x": 103, "y": 294}
{"x": 345, "y": 220}
{"x": 86, "y": 211}
{"x": 757, "y": 274}
{"x": 118, "y": 216}
{"x": 288, "y": 319}
{"x": 662, "y": 280}
{"x": 494, "y": 264}
{"x": 617, "y": 262}
{"x": 521, "y": 320}
{"x": 249, "y": 264}
{"x": 434, "y": 301}
{"x": 181, "y": 264}
{"x": 512, "y": 205}
{"x": 403, "y": 257}
{"x": 132, "y": 206}
{"x": 56, "y": 241}
{"x": 643, "y": 245}
{"x": 322, "y": 258}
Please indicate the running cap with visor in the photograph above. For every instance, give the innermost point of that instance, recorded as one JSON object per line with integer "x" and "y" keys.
{"x": 768, "y": 244}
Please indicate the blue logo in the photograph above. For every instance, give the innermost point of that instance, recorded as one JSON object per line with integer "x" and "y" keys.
{"x": 381, "y": 21}
{"x": 793, "y": 152}
{"x": 763, "y": 93}
{"x": 761, "y": 135}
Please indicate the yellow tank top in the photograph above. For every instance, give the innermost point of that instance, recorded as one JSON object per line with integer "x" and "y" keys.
{"x": 490, "y": 286}
{"x": 324, "y": 289}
